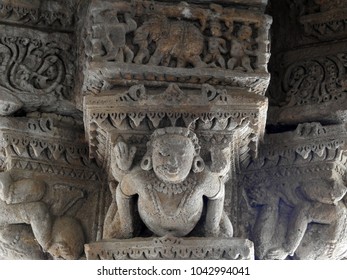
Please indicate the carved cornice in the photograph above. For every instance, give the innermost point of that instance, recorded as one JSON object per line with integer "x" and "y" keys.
{"x": 136, "y": 112}
{"x": 170, "y": 248}
{"x": 45, "y": 145}
{"x": 327, "y": 20}
{"x": 311, "y": 150}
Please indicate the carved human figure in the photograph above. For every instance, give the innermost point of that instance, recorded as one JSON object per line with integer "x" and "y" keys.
{"x": 171, "y": 185}
{"x": 241, "y": 49}
{"x": 216, "y": 46}
{"x": 313, "y": 201}
{"x": 21, "y": 203}
{"x": 109, "y": 39}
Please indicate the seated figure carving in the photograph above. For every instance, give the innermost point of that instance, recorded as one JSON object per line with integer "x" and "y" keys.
{"x": 172, "y": 190}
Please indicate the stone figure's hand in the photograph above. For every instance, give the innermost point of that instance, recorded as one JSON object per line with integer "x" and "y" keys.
{"x": 276, "y": 254}
{"x": 123, "y": 155}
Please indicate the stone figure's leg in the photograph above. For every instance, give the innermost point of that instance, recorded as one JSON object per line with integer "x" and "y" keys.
{"x": 35, "y": 213}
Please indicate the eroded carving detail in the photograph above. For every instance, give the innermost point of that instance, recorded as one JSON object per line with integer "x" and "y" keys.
{"x": 299, "y": 195}
{"x": 37, "y": 71}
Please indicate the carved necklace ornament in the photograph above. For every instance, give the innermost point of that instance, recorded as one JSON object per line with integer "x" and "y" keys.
{"x": 170, "y": 188}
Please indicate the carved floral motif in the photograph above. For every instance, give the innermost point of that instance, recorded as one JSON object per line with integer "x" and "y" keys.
{"x": 36, "y": 70}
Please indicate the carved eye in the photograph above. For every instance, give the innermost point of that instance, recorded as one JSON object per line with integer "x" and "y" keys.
{"x": 164, "y": 154}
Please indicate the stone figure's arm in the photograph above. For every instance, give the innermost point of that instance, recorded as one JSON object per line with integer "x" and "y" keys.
{"x": 222, "y": 46}
{"x": 125, "y": 204}
{"x": 5, "y": 185}
{"x": 215, "y": 207}
{"x": 131, "y": 24}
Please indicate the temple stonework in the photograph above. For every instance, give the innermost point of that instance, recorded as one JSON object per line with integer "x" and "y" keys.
{"x": 164, "y": 130}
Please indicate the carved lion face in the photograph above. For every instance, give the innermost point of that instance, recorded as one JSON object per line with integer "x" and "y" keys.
{"x": 172, "y": 157}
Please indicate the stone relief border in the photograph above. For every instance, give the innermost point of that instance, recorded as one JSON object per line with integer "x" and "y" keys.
{"x": 169, "y": 247}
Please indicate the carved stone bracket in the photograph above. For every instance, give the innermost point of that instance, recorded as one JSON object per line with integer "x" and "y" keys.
{"x": 296, "y": 192}
{"x": 210, "y": 112}
{"x": 46, "y": 171}
{"x": 171, "y": 248}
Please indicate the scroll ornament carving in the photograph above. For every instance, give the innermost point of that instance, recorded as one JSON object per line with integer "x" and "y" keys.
{"x": 35, "y": 73}
{"x": 316, "y": 81}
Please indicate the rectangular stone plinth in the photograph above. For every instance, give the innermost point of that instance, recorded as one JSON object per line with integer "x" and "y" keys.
{"x": 169, "y": 248}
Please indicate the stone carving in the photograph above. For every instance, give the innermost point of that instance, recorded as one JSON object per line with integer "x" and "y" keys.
{"x": 170, "y": 198}
{"x": 47, "y": 14}
{"x": 241, "y": 49}
{"x": 37, "y": 72}
{"x": 301, "y": 212}
{"x": 109, "y": 36}
{"x": 21, "y": 202}
{"x": 49, "y": 189}
{"x": 312, "y": 82}
{"x": 324, "y": 19}
{"x": 159, "y": 38}
{"x": 169, "y": 247}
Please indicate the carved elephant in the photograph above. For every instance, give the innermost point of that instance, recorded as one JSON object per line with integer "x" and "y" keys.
{"x": 178, "y": 40}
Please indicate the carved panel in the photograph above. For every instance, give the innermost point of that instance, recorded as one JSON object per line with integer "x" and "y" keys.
{"x": 295, "y": 194}
{"x": 36, "y": 71}
{"x": 47, "y": 174}
{"x": 158, "y": 43}
{"x": 307, "y": 82}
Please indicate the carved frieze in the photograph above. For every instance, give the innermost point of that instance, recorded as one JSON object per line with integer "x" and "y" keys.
{"x": 50, "y": 191}
{"x": 296, "y": 192}
{"x": 36, "y": 71}
{"x": 307, "y": 82}
{"x": 52, "y": 14}
{"x": 159, "y": 43}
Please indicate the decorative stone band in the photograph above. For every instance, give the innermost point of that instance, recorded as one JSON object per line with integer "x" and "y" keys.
{"x": 106, "y": 75}
{"x": 45, "y": 145}
{"x": 171, "y": 248}
{"x": 43, "y": 14}
{"x": 326, "y": 25}
{"x": 311, "y": 148}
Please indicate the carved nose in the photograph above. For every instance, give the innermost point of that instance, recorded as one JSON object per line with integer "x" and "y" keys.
{"x": 173, "y": 160}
